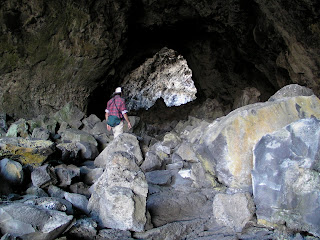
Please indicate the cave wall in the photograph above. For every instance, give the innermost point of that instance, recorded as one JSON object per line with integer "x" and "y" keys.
{"x": 53, "y": 52}
{"x": 57, "y": 51}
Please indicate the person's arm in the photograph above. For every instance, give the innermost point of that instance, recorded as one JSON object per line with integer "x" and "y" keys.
{"x": 127, "y": 119}
{"x": 108, "y": 127}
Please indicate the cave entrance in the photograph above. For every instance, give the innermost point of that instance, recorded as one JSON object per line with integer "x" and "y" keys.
{"x": 221, "y": 65}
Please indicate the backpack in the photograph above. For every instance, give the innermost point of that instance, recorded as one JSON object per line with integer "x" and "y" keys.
{"x": 113, "y": 121}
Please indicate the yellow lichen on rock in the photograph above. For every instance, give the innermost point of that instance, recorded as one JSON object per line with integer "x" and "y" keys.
{"x": 231, "y": 141}
{"x": 27, "y": 152}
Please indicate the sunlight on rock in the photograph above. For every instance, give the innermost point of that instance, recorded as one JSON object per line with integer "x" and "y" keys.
{"x": 166, "y": 75}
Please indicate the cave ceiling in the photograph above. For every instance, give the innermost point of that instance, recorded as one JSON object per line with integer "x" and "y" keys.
{"x": 53, "y": 52}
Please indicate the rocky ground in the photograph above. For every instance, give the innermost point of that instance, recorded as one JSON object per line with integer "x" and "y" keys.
{"x": 252, "y": 173}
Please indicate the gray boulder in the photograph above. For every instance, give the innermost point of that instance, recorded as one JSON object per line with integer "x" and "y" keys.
{"x": 186, "y": 152}
{"x": 166, "y": 75}
{"x": 175, "y": 166}
{"x": 286, "y": 177}
{"x": 103, "y": 140}
{"x": 225, "y": 147}
{"x": 36, "y": 191}
{"x": 127, "y": 143}
{"x": 66, "y": 173}
{"x": 43, "y": 176}
{"x": 54, "y": 191}
{"x": 78, "y": 201}
{"x": 43, "y": 122}
{"x": 209, "y": 110}
{"x": 160, "y": 177}
{"x": 51, "y": 203}
{"x": 75, "y": 135}
{"x": 83, "y": 228}
{"x": 292, "y": 90}
{"x": 171, "y": 205}
{"x": 80, "y": 188}
{"x": 151, "y": 162}
{"x": 31, "y": 222}
{"x": 3, "y": 122}
{"x": 90, "y": 174}
{"x": 69, "y": 150}
{"x": 11, "y": 172}
{"x": 40, "y": 133}
{"x": 233, "y": 210}
{"x": 18, "y": 129}
{"x": 113, "y": 234}
{"x": 247, "y": 96}
{"x": 118, "y": 197}
{"x": 91, "y": 121}
{"x": 70, "y": 114}
{"x": 171, "y": 140}
{"x": 88, "y": 151}
{"x": 26, "y": 151}
{"x": 188, "y": 230}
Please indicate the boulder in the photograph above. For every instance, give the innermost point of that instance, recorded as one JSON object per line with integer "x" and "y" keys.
{"x": 75, "y": 135}
{"x": 151, "y": 162}
{"x": 11, "y": 172}
{"x": 161, "y": 177}
{"x": 91, "y": 121}
{"x": 83, "y": 228}
{"x": 65, "y": 174}
{"x": 27, "y": 152}
{"x": 43, "y": 176}
{"x": 163, "y": 152}
{"x": 291, "y": 90}
{"x": 225, "y": 146}
{"x": 51, "y": 203}
{"x": 209, "y": 110}
{"x": 166, "y": 75}
{"x": 3, "y": 122}
{"x": 31, "y": 222}
{"x": 103, "y": 140}
{"x": 100, "y": 128}
{"x": 113, "y": 234}
{"x": 90, "y": 174}
{"x": 40, "y": 133}
{"x": 247, "y": 96}
{"x": 54, "y": 191}
{"x": 88, "y": 151}
{"x": 171, "y": 140}
{"x": 175, "y": 166}
{"x": 127, "y": 143}
{"x": 186, "y": 152}
{"x": 80, "y": 188}
{"x": 2, "y": 133}
{"x": 286, "y": 177}
{"x": 78, "y": 201}
{"x": 36, "y": 191}
{"x": 70, "y": 114}
{"x": 18, "y": 129}
{"x": 78, "y": 150}
{"x": 69, "y": 150}
{"x": 233, "y": 210}
{"x": 191, "y": 229}
{"x": 171, "y": 205}
{"x": 43, "y": 122}
{"x": 118, "y": 197}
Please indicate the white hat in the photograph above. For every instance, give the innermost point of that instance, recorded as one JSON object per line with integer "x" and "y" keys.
{"x": 118, "y": 90}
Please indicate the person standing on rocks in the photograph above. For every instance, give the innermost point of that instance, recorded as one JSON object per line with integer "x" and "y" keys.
{"x": 116, "y": 111}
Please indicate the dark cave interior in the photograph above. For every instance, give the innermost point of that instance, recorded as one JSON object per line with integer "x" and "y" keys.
{"x": 221, "y": 61}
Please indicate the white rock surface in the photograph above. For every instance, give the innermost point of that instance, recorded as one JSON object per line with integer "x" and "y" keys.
{"x": 166, "y": 75}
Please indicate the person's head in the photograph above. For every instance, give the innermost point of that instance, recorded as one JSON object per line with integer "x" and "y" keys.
{"x": 118, "y": 91}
